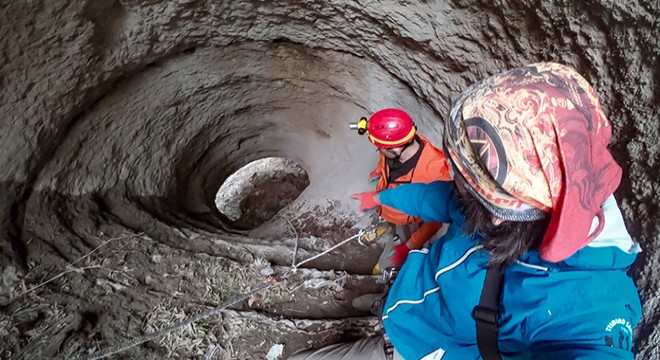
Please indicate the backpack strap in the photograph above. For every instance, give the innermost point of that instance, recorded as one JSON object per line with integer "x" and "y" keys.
{"x": 486, "y": 314}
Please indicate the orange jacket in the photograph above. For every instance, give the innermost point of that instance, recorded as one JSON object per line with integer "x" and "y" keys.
{"x": 431, "y": 166}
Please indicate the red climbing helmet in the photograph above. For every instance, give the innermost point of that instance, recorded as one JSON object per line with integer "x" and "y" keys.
{"x": 390, "y": 128}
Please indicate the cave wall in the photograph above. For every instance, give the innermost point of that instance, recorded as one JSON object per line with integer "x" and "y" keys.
{"x": 128, "y": 115}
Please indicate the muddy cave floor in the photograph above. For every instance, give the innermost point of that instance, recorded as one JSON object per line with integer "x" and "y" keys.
{"x": 167, "y": 285}
{"x": 131, "y": 285}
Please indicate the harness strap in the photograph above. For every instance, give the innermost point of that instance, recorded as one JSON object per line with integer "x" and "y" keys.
{"x": 486, "y": 314}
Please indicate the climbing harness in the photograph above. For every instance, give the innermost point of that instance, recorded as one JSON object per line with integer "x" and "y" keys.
{"x": 372, "y": 233}
{"x": 212, "y": 311}
{"x": 371, "y": 227}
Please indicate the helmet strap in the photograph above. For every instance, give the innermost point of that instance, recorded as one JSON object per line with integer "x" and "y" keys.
{"x": 406, "y": 146}
{"x": 398, "y": 156}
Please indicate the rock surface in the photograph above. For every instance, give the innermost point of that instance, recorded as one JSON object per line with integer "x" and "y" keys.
{"x": 122, "y": 118}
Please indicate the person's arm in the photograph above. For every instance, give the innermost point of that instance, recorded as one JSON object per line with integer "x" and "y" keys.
{"x": 423, "y": 233}
{"x": 430, "y": 202}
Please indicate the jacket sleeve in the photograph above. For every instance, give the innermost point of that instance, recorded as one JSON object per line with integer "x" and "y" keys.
{"x": 438, "y": 169}
{"x": 430, "y": 202}
{"x": 423, "y": 233}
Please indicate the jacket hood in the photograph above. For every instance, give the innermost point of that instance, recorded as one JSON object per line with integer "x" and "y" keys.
{"x": 612, "y": 249}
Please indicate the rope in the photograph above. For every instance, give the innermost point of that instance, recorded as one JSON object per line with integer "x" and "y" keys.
{"x": 295, "y": 267}
{"x": 206, "y": 313}
{"x": 295, "y": 248}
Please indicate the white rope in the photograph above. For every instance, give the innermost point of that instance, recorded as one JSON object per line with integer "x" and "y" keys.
{"x": 295, "y": 267}
{"x": 295, "y": 248}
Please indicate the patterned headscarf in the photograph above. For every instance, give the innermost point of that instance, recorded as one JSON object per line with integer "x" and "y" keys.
{"x": 533, "y": 140}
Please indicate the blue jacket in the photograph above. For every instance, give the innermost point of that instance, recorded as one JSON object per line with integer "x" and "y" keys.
{"x": 585, "y": 307}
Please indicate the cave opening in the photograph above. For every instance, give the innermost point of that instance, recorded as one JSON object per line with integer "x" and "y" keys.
{"x": 256, "y": 192}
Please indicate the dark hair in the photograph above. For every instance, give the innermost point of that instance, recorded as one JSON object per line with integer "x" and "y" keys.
{"x": 507, "y": 241}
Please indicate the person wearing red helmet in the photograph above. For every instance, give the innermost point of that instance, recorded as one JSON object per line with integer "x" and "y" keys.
{"x": 390, "y": 129}
{"x": 405, "y": 157}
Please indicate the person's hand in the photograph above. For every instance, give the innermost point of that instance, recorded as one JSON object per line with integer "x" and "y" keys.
{"x": 367, "y": 200}
{"x": 399, "y": 254}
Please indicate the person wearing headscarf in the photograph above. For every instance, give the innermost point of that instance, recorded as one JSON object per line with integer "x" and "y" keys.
{"x": 533, "y": 196}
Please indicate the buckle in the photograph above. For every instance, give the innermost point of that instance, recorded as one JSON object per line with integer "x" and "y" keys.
{"x": 485, "y": 315}
{"x": 390, "y": 274}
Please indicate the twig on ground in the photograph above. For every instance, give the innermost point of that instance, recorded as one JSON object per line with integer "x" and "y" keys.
{"x": 116, "y": 271}
{"x": 71, "y": 268}
{"x": 105, "y": 242}
{"x": 75, "y": 269}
